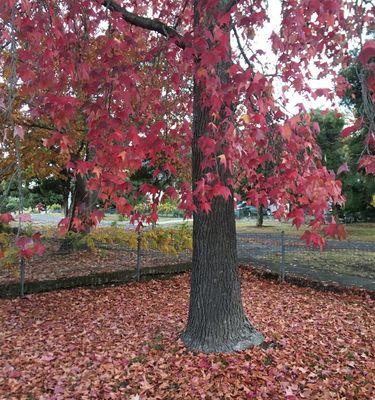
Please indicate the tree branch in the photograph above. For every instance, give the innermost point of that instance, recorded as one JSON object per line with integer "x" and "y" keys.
{"x": 2, "y": 47}
{"x": 227, "y": 7}
{"x": 179, "y": 17}
{"x": 145, "y": 23}
{"x": 242, "y": 51}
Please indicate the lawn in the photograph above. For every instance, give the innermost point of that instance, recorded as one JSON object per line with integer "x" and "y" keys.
{"x": 359, "y": 231}
{"x": 122, "y": 343}
{"x": 344, "y": 261}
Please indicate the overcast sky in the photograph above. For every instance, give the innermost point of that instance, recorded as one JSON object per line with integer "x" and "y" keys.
{"x": 262, "y": 42}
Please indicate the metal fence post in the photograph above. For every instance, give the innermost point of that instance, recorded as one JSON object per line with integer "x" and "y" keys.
{"x": 282, "y": 261}
{"x": 22, "y": 277}
{"x": 139, "y": 256}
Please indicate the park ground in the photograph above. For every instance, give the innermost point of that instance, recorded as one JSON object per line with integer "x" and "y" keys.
{"x": 357, "y": 231}
{"x": 123, "y": 343}
{"x": 354, "y": 257}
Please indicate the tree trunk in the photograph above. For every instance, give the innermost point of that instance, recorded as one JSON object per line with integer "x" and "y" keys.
{"x": 66, "y": 191}
{"x": 80, "y": 206}
{"x": 217, "y": 321}
{"x": 260, "y": 216}
{"x": 83, "y": 199}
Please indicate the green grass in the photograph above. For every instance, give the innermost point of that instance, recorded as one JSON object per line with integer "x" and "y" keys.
{"x": 347, "y": 262}
{"x": 270, "y": 226}
{"x": 115, "y": 217}
{"x": 359, "y": 231}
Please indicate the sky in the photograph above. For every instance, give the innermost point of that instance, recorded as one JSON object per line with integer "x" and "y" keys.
{"x": 262, "y": 42}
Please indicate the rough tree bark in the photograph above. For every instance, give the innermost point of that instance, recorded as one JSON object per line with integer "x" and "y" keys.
{"x": 260, "y": 216}
{"x": 217, "y": 321}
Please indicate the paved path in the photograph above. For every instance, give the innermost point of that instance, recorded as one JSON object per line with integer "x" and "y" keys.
{"x": 54, "y": 219}
{"x": 319, "y": 275}
{"x": 294, "y": 242}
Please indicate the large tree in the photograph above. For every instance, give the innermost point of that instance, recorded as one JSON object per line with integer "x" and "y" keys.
{"x": 71, "y": 57}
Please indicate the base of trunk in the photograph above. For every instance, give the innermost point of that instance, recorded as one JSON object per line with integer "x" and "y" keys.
{"x": 241, "y": 338}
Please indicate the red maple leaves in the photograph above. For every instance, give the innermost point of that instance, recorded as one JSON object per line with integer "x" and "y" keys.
{"x": 367, "y": 52}
{"x": 119, "y": 99}
{"x": 6, "y": 218}
{"x": 28, "y": 246}
{"x": 118, "y": 344}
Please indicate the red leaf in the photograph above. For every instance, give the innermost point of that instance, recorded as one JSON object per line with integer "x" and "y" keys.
{"x": 367, "y": 52}
{"x": 341, "y": 232}
{"x": 6, "y": 218}
{"x": 298, "y": 216}
{"x": 171, "y": 192}
{"x": 349, "y": 130}
{"x": 205, "y": 207}
{"x": 207, "y": 145}
{"x": 19, "y": 131}
{"x": 343, "y": 168}
{"x": 314, "y": 239}
{"x": 330, "y": 230}
{"x": 286, "y": 131}
{"x": 37, "y": 236}
{"x": 38, "y": 248}
{"x": 97, "y": 216}
{"x": 221, "y": 190}
{"x": 23, "y": 242}
{"x": 368, "y": 163}
{"x": 123, "y": 207}
{"x": 24, "y": 217}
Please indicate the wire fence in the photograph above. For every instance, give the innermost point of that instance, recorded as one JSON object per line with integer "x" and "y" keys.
{"x": 344, "y": 262}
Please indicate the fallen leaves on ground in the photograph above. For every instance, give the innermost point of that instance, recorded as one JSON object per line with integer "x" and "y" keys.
{"x": 122, "y": 343}
{"x": 53, "y": 265}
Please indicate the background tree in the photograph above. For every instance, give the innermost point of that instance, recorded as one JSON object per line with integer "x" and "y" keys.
{"x": 329, "y": 139}
{"x": 357, "y": 95}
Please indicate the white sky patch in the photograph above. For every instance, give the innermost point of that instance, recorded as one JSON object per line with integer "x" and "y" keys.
{"x": 262, "y": 42}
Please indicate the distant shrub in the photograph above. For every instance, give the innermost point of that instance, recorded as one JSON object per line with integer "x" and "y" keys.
{"x": 54, "y": 207}
{"x": 10, "y": 252}
{"x": 170, "y": 208}
{"x": 167, "y": 240}
{"x": 142, "y": 208}
{"x": 12, "y": 204}
{"x": 78, "y": 241}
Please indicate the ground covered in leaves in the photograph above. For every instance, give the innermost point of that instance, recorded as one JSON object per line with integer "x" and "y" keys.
{"x": 55, "y": 265}
{"x": 122, "y": 343}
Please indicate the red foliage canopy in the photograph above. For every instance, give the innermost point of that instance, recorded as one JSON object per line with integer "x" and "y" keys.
{"x": 124, "y": 71}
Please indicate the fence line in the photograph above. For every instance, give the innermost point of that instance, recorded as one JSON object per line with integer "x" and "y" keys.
{"x": 347, "y": 263}
{"x": 289, "y": 255}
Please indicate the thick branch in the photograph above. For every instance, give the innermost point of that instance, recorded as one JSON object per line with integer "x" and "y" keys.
{"x": 145, "y": 23}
